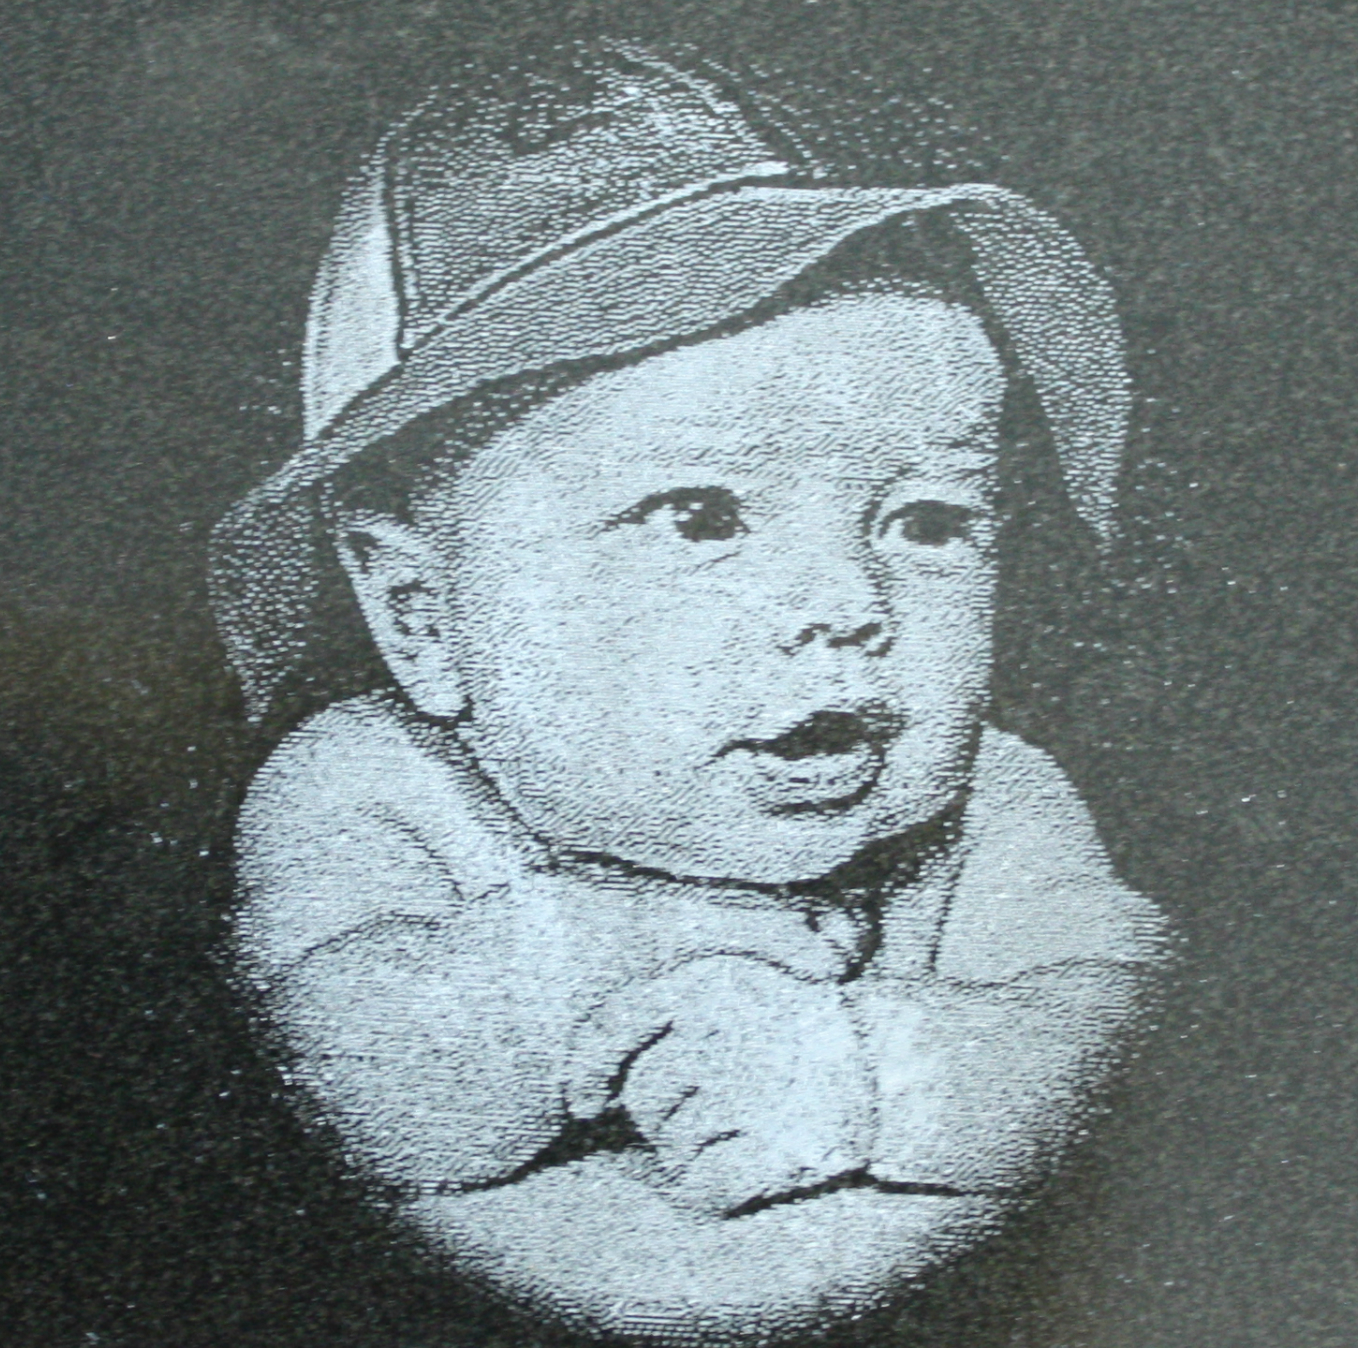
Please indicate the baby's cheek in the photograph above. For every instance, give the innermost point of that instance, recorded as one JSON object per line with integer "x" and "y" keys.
{"x": 944, "y": 640}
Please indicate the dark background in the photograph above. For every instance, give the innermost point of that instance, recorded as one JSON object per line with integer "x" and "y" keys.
{"x": 169, "y": 177}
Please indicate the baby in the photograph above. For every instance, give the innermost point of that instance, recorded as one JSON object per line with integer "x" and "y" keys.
{"x": 673, "y": 928}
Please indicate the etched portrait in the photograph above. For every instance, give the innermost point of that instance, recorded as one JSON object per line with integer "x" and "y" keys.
{"x": 670, "y": 924}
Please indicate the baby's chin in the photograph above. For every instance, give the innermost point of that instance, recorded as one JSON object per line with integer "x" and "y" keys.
{"x": 751, "y": 846}
{"x": 823, "y": 848}
{"x": 742, "y": 821}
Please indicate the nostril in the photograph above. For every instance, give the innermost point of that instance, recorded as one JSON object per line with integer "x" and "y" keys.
{"x": 858, "y": 637}
{"x": 805, "y": 637}
{"x": 869, "y": 635}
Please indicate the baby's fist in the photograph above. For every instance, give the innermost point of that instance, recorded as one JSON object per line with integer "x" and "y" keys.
{"x": 747, "y": 1081}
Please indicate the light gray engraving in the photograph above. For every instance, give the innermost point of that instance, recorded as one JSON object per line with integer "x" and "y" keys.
{"x": 675, "y": 931}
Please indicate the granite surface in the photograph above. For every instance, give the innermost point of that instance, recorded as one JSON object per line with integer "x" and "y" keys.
{"x": 169, "y": 178}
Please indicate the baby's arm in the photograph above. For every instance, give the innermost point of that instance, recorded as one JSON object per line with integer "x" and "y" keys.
{"x": 427, "y": 1048}
{"x": 748, "y": 1082}
{"x": 985, "y": 1058}
{"x": 419, "y": 1019}
{"x": 979, "y": 1083}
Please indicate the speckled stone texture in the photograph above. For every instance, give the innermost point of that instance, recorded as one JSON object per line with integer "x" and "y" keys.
{"x": 169, "y": 175}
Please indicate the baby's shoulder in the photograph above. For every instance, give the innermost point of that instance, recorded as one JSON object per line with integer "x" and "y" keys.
{"x": 353, "y": 820}
{"x": 352, "y": 765}
{"x": 1037, "y": 887}
{"x": 316, "y": 760}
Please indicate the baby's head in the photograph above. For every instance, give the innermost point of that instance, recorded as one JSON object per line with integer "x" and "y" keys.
{"x": 714, "y": 595}
{"x": 723, "y": 612}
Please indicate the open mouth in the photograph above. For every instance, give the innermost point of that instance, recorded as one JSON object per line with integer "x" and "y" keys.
{"x": 828, "y": 732}
{"x": 825, "y": 763}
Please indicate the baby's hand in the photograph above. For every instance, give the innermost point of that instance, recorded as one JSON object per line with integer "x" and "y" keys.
{"x": 747, "y": 1081}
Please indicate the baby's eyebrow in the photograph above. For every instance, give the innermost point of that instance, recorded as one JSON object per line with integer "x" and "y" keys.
{"x": 975, "y": 444}
{"x": 979, "y": 470}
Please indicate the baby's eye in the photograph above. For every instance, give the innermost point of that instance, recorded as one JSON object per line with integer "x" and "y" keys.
{"x": 933, "y": 523}
{"x": 698, "y": 513}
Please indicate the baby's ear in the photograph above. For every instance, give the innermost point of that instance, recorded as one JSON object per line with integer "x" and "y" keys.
{"x": 396, "y": 578}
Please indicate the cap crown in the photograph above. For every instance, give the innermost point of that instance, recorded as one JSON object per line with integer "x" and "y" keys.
{"x": 466, "y": 191}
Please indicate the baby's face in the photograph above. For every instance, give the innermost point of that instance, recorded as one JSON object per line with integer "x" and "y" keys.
{"x": 727, "y": 612}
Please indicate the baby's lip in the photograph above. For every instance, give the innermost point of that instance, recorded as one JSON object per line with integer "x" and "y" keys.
{"x": 873, "y": 725}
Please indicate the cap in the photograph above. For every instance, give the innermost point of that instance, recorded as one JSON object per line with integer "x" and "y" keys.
{"x": 494, "y": 236}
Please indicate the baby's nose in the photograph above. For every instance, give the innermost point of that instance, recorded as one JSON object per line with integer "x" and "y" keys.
{"x": 819, "y": 591}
